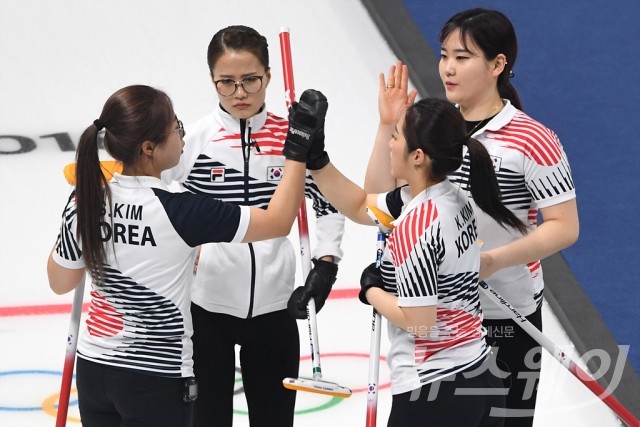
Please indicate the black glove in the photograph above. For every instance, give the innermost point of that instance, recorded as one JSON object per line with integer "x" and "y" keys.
{"x": 318, "y": 285}
{"x": 371, "y": 278}
{"x": 318, "y": 157}
{"x": 306, "y": 118}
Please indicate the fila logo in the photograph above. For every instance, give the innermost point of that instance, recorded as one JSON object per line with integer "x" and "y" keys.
{"x": 217, "y": 174}
{"x": 274, "y": 173}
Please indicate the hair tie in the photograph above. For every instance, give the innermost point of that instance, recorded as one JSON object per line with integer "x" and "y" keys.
{"x": 97, "y": 123}
{"x": 511, "y": 74}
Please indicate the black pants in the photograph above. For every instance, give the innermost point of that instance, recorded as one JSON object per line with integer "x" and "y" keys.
{"x": 111, "y": 397}
{"x": 520, "y": 355}
{"x": 465, "y": 399}
{"x": 269, "y": 352}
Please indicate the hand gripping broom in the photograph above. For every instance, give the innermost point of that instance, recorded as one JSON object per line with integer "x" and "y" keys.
{"x": 383, "y": 221}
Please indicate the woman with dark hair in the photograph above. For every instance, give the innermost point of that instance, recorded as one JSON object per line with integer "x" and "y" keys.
{"x": 137, "y": 241}
{"x": 478, "y": 54}
{"x": 431, "y": 300}
{"x": 479, "y": 49}
{"x": 244, "y": 295}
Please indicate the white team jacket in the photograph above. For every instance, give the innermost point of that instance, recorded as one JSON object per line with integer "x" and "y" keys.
{"x": 247, "y": 280}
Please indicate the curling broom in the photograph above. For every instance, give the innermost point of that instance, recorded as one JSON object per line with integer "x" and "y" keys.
{"x": 109, "y": 167}
{"x": 621, "y": 412}
{"x": 383, "y": 221}
{"x": 70, "y": 356}
{"x": 315, "y": 384}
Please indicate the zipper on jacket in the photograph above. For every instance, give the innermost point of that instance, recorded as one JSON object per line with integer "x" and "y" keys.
{"x": 246, "y": 153}
{"x": 253, "y": 281}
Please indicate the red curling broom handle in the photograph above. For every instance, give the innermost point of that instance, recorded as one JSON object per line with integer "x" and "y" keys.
{"x": 303, "y": 226}
{"x": 70, "y": 356}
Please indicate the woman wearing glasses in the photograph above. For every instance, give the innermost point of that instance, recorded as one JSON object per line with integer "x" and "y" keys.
{"x": 137, "y": 240}
{"x": 242, "y": 291}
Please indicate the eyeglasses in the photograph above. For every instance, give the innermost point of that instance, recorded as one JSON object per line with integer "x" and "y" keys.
{"x": 179, "y": 129}
{"x": 227, "y": 87}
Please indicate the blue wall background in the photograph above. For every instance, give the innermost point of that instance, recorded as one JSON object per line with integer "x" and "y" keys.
{"x": 578, "y": 72}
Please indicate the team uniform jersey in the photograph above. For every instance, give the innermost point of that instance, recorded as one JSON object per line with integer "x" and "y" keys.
{"x": 435, "y": 262}
{"x": 139, "y": 319}
{"x": 241, "y": 161}
{"x": 533, "y": 173}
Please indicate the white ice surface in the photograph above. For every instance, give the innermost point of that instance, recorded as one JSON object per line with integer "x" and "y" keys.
{"x": 60, "y": 60}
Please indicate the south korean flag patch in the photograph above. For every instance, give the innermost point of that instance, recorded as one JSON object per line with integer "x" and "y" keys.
{"x": 217, "y": 174}
{"x": 274, "y": 173}
{"x": 497, "y": 163}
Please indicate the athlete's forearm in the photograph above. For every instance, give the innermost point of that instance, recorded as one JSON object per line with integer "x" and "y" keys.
{"x": 378, "y": 177}
{"x": 61, "y": 279}
{"x": 394, "y": 97}
{"x": 277, "y": 219}
{"x": 343, "y": 194}
{"x": 411, "y": 319}
{"x": 559, "y": 230}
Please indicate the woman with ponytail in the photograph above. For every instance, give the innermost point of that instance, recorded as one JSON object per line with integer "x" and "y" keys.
{"x": 477, "y": 59}
{"x": 478, "y": 55}
{"x": 430, "y": 296}
{"x": 137, "y": 241}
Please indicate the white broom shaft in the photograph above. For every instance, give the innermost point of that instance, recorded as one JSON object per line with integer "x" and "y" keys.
{"x": 374, "y": 370}
{"x": 374, "y": 350}
{"x": 303, "y": 227}
{"x": 522, "y": 321}
{"x": 622, "y": 413}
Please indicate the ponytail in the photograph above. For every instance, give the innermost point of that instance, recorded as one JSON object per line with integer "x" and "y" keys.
{"x": 91, "y": 191}
{"x": 130, "y": 116}
{"x": 437, "y": 128}
{"x": 508, "y": 91}
{"x": 485, "y": 190}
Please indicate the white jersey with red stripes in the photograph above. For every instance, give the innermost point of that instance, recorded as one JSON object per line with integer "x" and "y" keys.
{"x": 436, "y": 261}
{"x": 140, "y": 318}
{"x": 533, "y": 173}
{"x": 241, "y": 162}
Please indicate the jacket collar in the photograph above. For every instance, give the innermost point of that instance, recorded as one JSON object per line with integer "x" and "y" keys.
{"x": 140, "y": 181}
{"x": 432, "y": 192}
{"x": 232, "y": 124}
{"x": 502, "y": 118}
